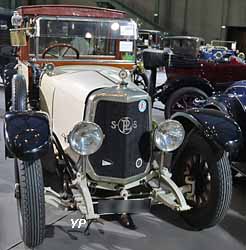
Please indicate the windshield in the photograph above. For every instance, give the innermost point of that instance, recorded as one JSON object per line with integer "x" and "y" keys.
{"x": 90, "y": 37}
{"x": 152, "y": 39}
{"x": 226, "y": 44}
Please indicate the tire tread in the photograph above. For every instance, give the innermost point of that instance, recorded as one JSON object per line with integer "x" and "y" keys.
{"x": 32, "y": 203}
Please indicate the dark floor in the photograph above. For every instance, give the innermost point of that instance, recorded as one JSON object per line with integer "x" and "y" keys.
{"x": 159, "y": 230}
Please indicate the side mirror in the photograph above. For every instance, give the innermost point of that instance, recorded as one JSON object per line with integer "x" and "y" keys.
{"x": 18, "y": 38}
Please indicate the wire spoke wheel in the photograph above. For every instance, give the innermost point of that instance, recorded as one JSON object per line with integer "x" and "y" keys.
{"x": 196, "y": 170}
{"x": 187, "y": 102}
{"x": 210, "y": 180}
{"x": 184, "y": 99}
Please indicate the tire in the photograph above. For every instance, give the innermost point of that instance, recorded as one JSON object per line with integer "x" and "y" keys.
{"x": 19, "y": 93}
{"x": 30, "y": 202}
{"x": 29, "y": 184}
{"x": 178, "y": 96}
{"x": 213, "y": 182}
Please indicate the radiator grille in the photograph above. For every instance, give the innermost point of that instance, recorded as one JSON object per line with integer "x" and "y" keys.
{"x": 126, "y": 148}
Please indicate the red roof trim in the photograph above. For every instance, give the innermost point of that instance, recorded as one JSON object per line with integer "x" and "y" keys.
{"x": 70, "y": 10}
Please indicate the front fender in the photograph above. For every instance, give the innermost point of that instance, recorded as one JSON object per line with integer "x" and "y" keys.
{"x": 231, "y": 105}
{"x": 27, "y": 134}
{"x": 172, "y": 85}
{"x": 222, "y": 133}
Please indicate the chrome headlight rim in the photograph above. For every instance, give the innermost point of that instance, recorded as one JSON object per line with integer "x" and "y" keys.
{"x": 158, "y": 133}
{"x": 79, "y": 126}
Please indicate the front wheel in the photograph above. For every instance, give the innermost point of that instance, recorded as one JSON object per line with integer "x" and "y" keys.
{"x": 29, "y": 192}
{"x": 29, "y": 186}
{"x": 210, "y": 179}
{"x": 183, "y": 99}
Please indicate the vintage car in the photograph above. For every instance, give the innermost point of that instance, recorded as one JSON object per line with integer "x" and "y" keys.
{"x": 185, "y": 45}
{"x": 218, "y": 50}
{"x": 82, "y": 134}
{"x": 233, "y": 103}
{"x": 221, "y": 51}
{"x": 192, "y": 80}
{"x": 150, "y": 39}
{"x": 219, "y": 54}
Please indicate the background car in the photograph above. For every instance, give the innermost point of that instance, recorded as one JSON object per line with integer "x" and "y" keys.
{"x": 150, "y": 39}
{"x": 192, "y": 79}
{"x": 184, "y": 45}
{"x": 218, "y": 50}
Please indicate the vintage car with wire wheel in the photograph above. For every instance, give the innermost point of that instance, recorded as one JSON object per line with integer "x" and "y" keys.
{"x": 233, "y": 103}
{"x": 190, "y": 81}
{"x": 82, "y": 134}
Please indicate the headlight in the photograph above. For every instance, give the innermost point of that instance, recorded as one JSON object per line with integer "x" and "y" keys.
{"x": 85, "y": 138}
{"x": 169, "y": 135}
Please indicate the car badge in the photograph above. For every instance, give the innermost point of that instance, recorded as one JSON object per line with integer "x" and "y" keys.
{"x": 142, "y": 105}
{"x": 139, "y": 163}
{"x": 125, "y": 125}
{"x": 106, "y": 163}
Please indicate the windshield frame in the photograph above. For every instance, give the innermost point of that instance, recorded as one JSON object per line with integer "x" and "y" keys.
{"x": 37, "y": 34}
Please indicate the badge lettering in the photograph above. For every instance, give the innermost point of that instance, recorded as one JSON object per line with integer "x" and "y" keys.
{"x": 125, "y": 125}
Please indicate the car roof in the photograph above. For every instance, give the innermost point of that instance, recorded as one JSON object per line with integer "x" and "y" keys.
{"x": 70, "y": 10}
{"x": 185, "y": 37}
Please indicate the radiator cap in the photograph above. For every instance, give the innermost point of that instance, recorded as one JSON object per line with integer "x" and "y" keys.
{"x": 123, "y": 74}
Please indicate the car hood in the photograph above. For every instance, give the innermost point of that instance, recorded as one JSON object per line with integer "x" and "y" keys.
{"x": 64, "y": 94}
{"x": 111, "y": 73}
{"x": 84, "y": 79}
{"x": 79, "y": 81}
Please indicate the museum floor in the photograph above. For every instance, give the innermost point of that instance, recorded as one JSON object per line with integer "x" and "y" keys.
{"x": 160, "y": 229}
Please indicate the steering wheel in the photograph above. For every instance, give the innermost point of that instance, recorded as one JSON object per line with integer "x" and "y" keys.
{"x": 61, "y": 53}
